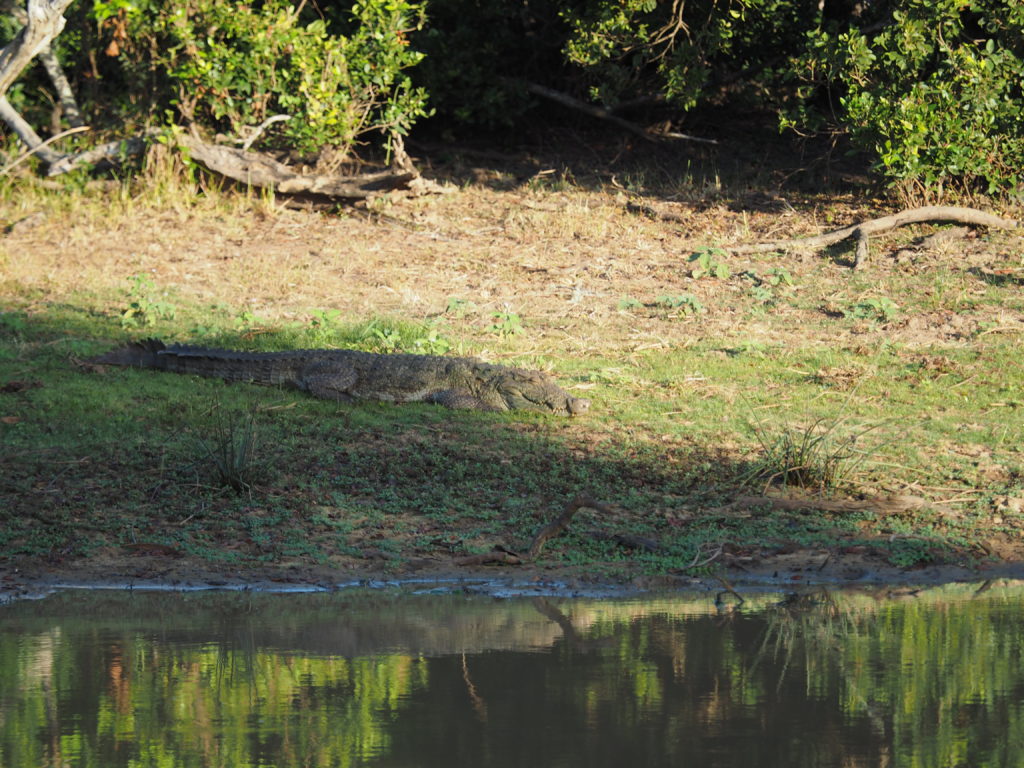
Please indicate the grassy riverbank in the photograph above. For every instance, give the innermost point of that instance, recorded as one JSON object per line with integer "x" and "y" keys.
{"x": 710, "y": 378}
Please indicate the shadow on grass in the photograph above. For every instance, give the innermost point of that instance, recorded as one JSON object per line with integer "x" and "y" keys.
{"x": 93, "y": 459}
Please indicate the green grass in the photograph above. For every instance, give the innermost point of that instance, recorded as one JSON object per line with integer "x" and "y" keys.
{"x": 678, "y": 429}
{"x": 104, "y": 459}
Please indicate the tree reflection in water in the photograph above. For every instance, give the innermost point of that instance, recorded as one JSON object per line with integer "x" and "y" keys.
{"x": 816, "y": 679}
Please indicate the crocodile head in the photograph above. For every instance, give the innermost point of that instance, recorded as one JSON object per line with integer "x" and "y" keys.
{"x": 537, "y": 392}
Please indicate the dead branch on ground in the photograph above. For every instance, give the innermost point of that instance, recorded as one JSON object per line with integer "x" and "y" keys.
{"x": 560, "y": 523}
{"x": 113, "y": 152}
{"x": 260, "y": 170}
{"x": 42, "y": 149}
{"x": 863, "y": 230}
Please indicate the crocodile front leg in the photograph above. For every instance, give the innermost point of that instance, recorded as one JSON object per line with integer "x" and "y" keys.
{"x": 328, "y": 380}
{"x": 460, "y": 399}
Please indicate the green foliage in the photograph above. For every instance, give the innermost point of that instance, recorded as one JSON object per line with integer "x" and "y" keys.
{"x": 707, "y": 263}
{"x": 144, "y": 307}
{"x": 684, "y": 303}
{"x": 628, "y": 303}
{"x": 234, "y": 65}
{"x": 881, "y": 310}
{"x": 506, "y": 324}
{"x": 933, "y": 92}
{"x": 633, "y": 47}
{"x": 229, "y": 66}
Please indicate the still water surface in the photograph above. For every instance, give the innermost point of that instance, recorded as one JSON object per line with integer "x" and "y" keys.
{"x": 354, "y": 679}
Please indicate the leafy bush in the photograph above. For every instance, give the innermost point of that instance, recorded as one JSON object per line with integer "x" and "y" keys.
{"x": 932, "y": 89}
{"x": 230, "y": 66}
{"x": 687, "y": 52}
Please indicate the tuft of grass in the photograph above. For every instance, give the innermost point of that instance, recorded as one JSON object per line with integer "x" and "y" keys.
{"x": 229, "y": 448}
{"x": 822, "y": 456}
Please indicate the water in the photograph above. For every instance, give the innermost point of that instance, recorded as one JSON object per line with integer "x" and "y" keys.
{"x": 353, "y": 679}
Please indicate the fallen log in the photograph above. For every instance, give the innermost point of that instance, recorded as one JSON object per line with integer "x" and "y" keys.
{"x": 863, "y": 230}
{"x": 259, "y": 170}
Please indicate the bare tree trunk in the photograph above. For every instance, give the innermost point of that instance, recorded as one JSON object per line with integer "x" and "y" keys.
{"x": 44, "y": 22}
{"x": 50, "y": 62}
{"x": 25, "y": 132}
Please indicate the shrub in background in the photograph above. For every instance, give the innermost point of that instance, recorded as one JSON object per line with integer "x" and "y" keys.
{"x": 228, "y": 66}
{"x": 932, "y": 88}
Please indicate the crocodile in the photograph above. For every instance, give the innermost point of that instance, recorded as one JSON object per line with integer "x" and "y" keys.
{"x": 348, "y": 374}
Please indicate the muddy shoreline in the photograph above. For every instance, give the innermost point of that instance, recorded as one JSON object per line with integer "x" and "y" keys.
{"x": 30, "y": 579}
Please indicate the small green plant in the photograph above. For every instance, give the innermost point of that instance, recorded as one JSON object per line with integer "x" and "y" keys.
{"x": 433, "y": 343}
{"x": 248, "y": 321}
{"x": 881, "y": 310}
{"x": 506, "y": 324}
{"x": 763, "y": 294}
{"x": 628, "y": 303}
{"x": 766, "y": 288}
{"x": 383, "y": 336}
{"x": 684, "y": 303}
{"x": 459, "y": 308}
{"x": 387, "y": 339}
{"x": 777, "y": 276}
{"x": 322, "y": 324}
{"x": 323, "y": 318}
{"x": 230, "y": 448}
{"x": 707, "y": 263}
{"x": 144, "y": 308}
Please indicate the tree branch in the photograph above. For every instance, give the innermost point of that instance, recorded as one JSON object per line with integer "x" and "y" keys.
{"x": 44, "y": 21}
{"x": 25, "y": 132}
{"x": 865, "y": 229}
{"x": 112, "y": 151}
{"x": 50, "y": 62}
{"x": 41, "y": 149}
{"x": 259, "y": 170}
{"x": 603, "y": 114}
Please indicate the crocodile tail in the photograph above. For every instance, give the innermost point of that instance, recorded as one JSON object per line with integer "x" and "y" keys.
{"x": 139, "y": 354}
